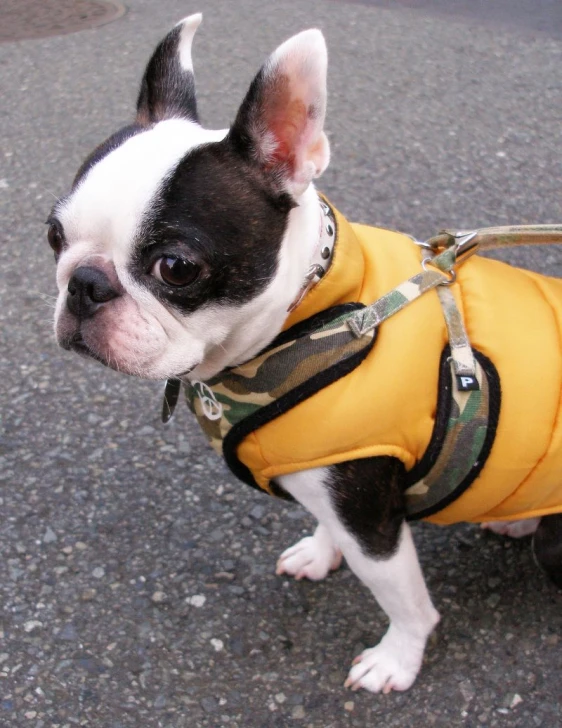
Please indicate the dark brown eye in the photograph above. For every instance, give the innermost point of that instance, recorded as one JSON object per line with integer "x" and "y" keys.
{"x": 55, "y": 238}
{"x": 175, "y": 271}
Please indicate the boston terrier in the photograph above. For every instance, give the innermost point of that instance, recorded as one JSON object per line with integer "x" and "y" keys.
{"x": 207, "y": 258}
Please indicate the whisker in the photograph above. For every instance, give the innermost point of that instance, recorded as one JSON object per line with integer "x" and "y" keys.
{"x": 50, "y": 301}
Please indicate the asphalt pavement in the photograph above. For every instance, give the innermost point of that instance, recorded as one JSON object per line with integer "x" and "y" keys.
{"x": 137, "y": 577}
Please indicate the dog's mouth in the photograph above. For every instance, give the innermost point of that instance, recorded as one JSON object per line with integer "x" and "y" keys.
{"x": 184, "y": 375}
{"x": 75, "y": 341}
{"x": 77, "y": 344}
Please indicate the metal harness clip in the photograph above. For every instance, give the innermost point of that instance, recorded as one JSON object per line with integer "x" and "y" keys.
{"x": 449, "y": 250}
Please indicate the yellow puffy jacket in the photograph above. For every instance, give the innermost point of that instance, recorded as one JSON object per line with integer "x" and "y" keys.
{"x": 388, "y": 404}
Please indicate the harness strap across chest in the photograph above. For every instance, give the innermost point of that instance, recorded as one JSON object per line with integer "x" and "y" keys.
{"x": 320, "y": 350}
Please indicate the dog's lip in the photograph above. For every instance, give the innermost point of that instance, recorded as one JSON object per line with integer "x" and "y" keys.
{"x": 76, "y": 343}
{"x": 183, "y": 374}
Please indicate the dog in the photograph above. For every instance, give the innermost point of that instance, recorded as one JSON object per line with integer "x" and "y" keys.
{"x": 191, "y": 255}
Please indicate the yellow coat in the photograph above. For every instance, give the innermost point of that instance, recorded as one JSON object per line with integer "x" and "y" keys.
{"x": 387, "y": 405}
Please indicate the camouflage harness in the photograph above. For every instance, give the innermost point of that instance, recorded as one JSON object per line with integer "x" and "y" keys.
{"x": 327, "y": 346}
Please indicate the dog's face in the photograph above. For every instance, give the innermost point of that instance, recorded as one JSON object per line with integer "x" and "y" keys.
{"x": 178, "y": 248}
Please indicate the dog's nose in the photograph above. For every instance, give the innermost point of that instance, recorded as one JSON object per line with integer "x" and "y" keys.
{"x": 88, "y": 289}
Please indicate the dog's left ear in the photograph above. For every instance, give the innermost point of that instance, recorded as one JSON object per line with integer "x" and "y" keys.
{"x": 168, "y": 85}
{"x": 280, "y": 124}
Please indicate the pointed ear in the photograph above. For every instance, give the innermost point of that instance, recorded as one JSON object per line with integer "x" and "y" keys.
{"x": 168, "y": 85}
{"x": 280, "y": 123}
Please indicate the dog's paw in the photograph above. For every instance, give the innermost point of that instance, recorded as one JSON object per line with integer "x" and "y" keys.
{"x": 515, "y": 529}
{"x": 311, "y": 558}
{"x": 392, "y": 665}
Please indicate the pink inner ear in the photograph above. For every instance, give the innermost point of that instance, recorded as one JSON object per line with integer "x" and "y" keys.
{"x": 289, "y": 120}
{"x": 288, "y": 131}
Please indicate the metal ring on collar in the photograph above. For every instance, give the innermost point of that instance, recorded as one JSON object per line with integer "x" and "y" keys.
{"x": 451, "y": 273}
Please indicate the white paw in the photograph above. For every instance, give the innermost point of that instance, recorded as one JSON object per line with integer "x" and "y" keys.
{"x": 515, "y": 529}
{"x": 311, "y": 558}
{"x": 391, "y": 665}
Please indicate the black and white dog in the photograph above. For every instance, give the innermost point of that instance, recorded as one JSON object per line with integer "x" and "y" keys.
{"x": 179, "y": 252}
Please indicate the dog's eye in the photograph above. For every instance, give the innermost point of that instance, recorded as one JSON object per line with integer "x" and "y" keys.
{"x": 175, "y": 271}
{"x": 56, "y": 239}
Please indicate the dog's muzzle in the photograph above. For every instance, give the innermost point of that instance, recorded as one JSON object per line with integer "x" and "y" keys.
{"x": 88, "y": 290}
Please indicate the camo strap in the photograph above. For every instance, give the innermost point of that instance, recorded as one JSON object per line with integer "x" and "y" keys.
{"x": 466, "y": 423}
{"x": 386, "y": 306}
{"x": 462, "y": 356}
{"x": 313, "y": 354}
{"x": 392, "y": 302}
{"x": 298, "y": 363}
{"x": 468, "y": 430}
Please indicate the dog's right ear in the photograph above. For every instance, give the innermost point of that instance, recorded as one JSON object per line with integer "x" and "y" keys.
{"x": 279, "y": 126}
{"x": 168, "y": 85}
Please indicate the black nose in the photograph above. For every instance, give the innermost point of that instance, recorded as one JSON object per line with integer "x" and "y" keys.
{"x": 88, "y": 289}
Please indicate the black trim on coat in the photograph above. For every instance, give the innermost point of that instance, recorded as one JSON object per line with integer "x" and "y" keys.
{"x": 444, "y": 403}
{"x": 289, "y": 400}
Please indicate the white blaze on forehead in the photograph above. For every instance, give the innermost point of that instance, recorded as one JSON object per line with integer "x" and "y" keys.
{"x": 109, "y": 204}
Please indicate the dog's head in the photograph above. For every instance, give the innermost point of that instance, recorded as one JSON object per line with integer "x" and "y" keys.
{"x": 179, "y": 249}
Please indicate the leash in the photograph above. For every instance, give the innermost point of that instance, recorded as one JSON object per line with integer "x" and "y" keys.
{"x": 446, "y": 251}
{"x": 467, "y": 243}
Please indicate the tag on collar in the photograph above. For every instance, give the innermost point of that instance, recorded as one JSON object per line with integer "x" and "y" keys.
{"x": 171, "y": 395}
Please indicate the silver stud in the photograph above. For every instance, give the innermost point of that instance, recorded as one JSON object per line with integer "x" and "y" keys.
{"x": 329, "y": 229}
{"x": 325, "y": 252}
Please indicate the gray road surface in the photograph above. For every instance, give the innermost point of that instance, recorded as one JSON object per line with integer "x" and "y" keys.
{"x": 136, "y": 576}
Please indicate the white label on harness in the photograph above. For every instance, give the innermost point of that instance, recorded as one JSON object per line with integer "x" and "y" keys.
{"x": 467, "y": 383}
{"x": 212, "y": 409}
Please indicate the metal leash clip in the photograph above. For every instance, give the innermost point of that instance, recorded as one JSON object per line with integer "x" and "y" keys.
{"x": 463, "y": 243}
{"x": 449, "y": 249}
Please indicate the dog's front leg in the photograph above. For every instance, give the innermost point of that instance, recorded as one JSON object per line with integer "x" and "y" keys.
{"x": 399, "y": 587}
{"x": 365, "y": 521}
